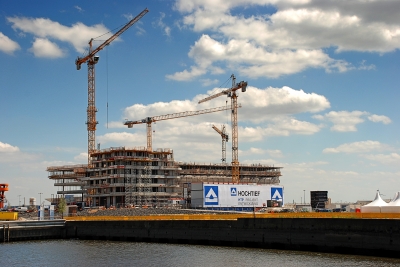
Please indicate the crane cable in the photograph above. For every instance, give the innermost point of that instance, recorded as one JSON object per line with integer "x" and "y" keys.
{"x": 107, "y": 80}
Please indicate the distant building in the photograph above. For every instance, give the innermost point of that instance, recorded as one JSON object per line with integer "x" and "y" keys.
{"x": 318, "y": 199}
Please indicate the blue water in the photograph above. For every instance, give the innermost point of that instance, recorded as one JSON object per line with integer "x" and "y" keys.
{"x": 109, "y": 253}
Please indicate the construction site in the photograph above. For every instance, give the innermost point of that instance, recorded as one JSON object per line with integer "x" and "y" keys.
{"x": 142, "y": 176}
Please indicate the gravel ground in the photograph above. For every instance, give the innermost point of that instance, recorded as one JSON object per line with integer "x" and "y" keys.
{"x": 125, "y": 212}
{"x": 143, "y": 212}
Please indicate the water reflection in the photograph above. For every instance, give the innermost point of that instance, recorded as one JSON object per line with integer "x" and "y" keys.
{"x": 110, "y": 253}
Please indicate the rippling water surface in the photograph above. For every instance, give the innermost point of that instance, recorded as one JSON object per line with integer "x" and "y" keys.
{"x": 109, "y": 253}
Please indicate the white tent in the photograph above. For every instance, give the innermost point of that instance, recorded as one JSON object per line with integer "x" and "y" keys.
{"x": 393, "y": 206}
{"x": 395, "y": 200}
{"x": 375, "y": 205}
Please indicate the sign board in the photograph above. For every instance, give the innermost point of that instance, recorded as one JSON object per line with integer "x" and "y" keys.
{"x": 51, "y": 212}
{"x": 237, "y": 195}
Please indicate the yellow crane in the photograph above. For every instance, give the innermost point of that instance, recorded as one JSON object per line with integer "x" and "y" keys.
{"x": 91, "y": 60}
{"x": 150, "y": 120}
{"x": 231, "y": 92}
{"x": 225, "y": 139}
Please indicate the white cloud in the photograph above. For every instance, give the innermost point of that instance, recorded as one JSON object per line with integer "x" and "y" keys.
{"x": 252, "y": 60}
{"x": 392, "y": 158}
{"x": 271, "y": 105}
{"x": 258, "y": 105}
{"x": 4, "y": 147}
{"x": 379, "y": 118}
{"x": 44, "y": 48}
{"x": 358, "y": 147}
{"x": 280, "y": 101}
{"x": 13, "y": 155}
{"x": 160, "y": 23}
{"x": 123, "y": 137}
{"x": 7, "y": 45}
{"x": 290, "y": 40}
{"x": 77, "y": 35}
{"x": 78, "y": 8}
{"x": 187, "y": 75}
{"x": 253, "y": 151}
{"x": 288, "y": 126}
{"x": 82, "y": 157}
{"x": 363, "y": 66}
{"x": 348, "y": 25}
{"x": 275, "y": 153}
{"x": 208, "y": 82}
{"x": 343, "y": 121}
{"x": 346, "y": 121}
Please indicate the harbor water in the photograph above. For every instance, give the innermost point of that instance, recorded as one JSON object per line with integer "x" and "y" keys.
{"x": 110, "y": 253}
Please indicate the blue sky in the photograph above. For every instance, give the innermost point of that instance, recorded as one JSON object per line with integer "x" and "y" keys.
{"x": 321, "y": 101}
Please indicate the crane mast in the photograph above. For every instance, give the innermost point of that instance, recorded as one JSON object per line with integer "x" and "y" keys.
{"x": 225, "y": 139}
{"x": 150, "y": 120}
{"x": 91, "y": 60}
{"x": 231, "y": 92}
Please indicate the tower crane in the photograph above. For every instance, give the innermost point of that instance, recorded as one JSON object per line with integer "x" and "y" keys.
{"x": 3, "y": 199}
{"x": 91, "y": 60}
{"x": 225, "y": 139}
{"x": 150, "y": 120}
{"x": 231, "y": 92}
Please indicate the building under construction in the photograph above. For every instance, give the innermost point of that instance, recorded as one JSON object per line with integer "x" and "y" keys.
{"x": 121, "y": 176}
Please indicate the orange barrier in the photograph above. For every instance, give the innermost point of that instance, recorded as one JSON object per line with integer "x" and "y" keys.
{"x": 328, "y": 215}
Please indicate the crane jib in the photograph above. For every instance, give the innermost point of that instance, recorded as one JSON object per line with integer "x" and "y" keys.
{"x": 80, "y": 61}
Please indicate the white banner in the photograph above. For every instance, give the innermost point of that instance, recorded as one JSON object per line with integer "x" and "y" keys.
{"x": 216, "y": 195}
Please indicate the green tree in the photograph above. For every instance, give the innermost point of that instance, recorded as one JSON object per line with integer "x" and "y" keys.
{"x": 62, "y": 204}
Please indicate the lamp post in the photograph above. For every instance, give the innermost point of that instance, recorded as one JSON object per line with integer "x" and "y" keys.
{"x": 40, "y": 203}
{"x": 304, "y": 196}
{"x": 19, "y": 200}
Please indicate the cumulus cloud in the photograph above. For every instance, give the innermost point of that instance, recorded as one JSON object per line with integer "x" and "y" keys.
{"x": 392, "y": 158}
{"x": 343, "y": 121}
{"x": 267, "y": 112}
{"x": 290, "y": 40}
{"x": 77, "y": 35}
{"x": 253, "y": 61}
{"x": 208, "y": 82}
{"x": 288, "y": 126}
{"x": 7, "y": 45}
{"x": 82, "y": 157}
{"x": 346, "y": 121}
{"x": 13, "y": 154}
{"x": 258, "y": 105}
{"x": 4, "y": 147}
{"x": 44, "y": 48}
{"x": 358, "y": 147}
{"x": 379, "y": 118}
{"x": 123, "y": 137}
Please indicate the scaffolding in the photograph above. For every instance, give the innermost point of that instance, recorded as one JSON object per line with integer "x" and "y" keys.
{"x": 221, "y": 173}
{"x": 128, "y": 177}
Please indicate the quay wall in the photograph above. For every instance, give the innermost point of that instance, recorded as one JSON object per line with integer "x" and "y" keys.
{"x": 31, "y": 230}
{"x": 373, "y": 237}
{"x": 378, "y": 237}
